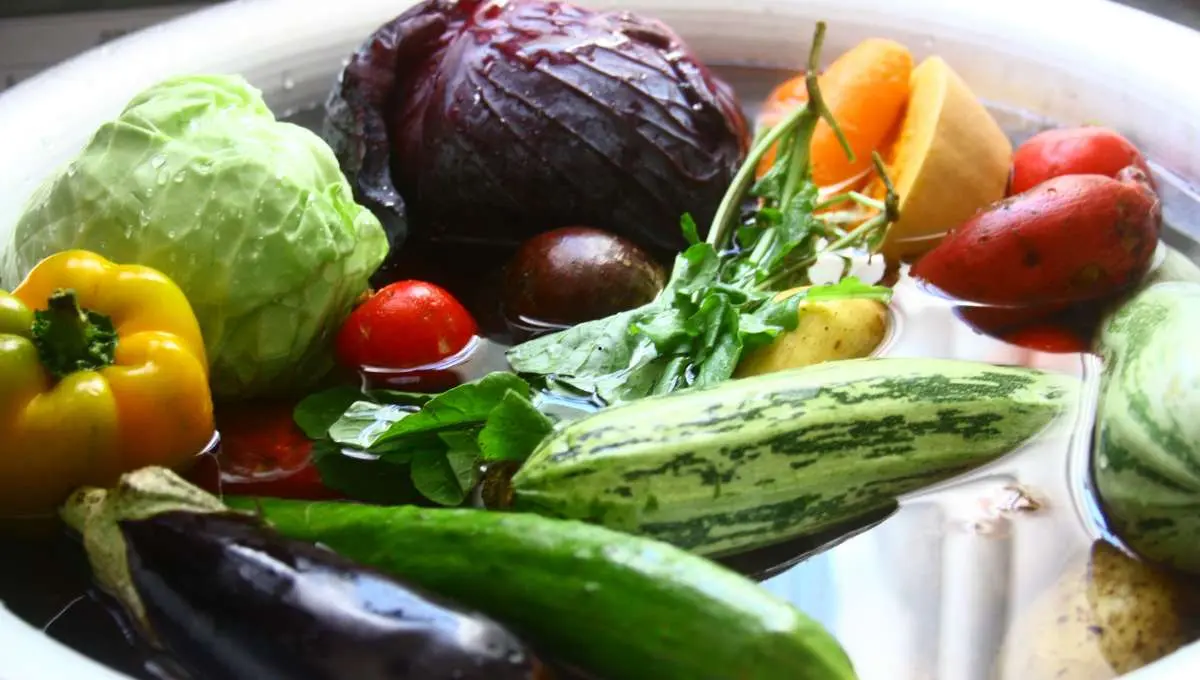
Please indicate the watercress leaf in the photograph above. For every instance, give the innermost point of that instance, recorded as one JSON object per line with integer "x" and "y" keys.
{"x": 513, "y": 429}
{"x": 627, "y": 383}
{"x": 849, "y": 287}
{"x": 316, "y": 413}
{"x": 783, "y": 313}
{"x": 400, "y": 398}
{"x": 695, "y": 268}
{"x": 465, "y": 442}
{"x": 365, "y": 422}
{"x": 674, "y": 375}
{"x": 666, "y": 328}
{"x": 690, "y": 231}
{"x": 589, "y": 349}
{"x": 467, "y": 403}
{"x": 366, "y": 479}
{"x": 437, "y": 479}
{"x": 720, "y": 344}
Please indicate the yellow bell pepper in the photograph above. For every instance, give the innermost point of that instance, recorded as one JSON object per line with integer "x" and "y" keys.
{"x": 102, "y": 371}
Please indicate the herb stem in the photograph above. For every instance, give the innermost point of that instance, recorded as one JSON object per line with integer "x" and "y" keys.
{"x": 854, "y": 196}
{"x": 861, "y": 234}
{"x": 804, "y": 119}
{"x": 745, "y": 176}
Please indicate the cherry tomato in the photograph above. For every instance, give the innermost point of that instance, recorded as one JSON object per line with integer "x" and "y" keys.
{"x": 1073, "y": 151}
{"x": 1047, "y": 338}
{"x": 405, "y": 325}
{"x": 263, "y": 453}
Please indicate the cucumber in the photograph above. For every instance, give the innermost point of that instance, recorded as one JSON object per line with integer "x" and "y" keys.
{"x": 618, "y": 606}
{"x": 756, "y": 461}
{"x": 1146, "y": 455}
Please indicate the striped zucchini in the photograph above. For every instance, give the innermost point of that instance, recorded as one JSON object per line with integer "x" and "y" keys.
{"x": 752, "y": 462}
{"x": 1146, "y": 457}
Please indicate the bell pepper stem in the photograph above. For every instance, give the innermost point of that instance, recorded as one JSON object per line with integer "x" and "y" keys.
{"x": 70, "y": 339}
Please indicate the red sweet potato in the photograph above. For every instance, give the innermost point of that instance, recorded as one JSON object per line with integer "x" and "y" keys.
{"x": 1069, "y": 239}
{"x": 1073, "y": 151}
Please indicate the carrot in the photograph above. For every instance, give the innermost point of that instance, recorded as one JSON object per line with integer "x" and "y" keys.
{"x": 866, "y": 89}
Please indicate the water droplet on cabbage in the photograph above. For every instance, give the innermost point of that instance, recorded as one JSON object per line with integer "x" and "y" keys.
{"x": 158, "y": 160}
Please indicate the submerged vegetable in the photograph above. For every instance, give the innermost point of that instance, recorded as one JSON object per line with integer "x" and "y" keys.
{"x": 1107, "y": 615}
{"x": 102, "y": 371}
{"x": 250, "y": 216}
{"x": 1069, "y": 239}
{"x": 759, "y": 460}
{"x": 577, "y": 274}
{"x": 1146, "y": 456}
{"x": 1073, "y": 151}
{"x": 496, "y": 121}
{"x": 613, "y": 605}
{"x": 406, "y": 324}
{"x": 261, "y": 452}
{"x": 230, "y": 598}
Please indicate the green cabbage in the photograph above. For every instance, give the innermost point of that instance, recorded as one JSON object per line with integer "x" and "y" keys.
{"x": 250, "y": 216}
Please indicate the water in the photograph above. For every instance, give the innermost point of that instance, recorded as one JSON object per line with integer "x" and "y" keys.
{"x": 935, "y": 588}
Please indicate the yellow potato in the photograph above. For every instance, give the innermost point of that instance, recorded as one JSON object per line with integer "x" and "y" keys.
{"x": 1106, "y": 616}
{"x": 827, "y": 331}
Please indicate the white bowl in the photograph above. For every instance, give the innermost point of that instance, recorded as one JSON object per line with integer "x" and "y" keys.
{"x": 1073, "y": 61}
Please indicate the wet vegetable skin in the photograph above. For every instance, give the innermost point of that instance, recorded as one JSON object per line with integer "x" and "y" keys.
{"x": 497, "y": 121}
{"x": 405, "y": 325}
{"x": 233, "y": 600}
{"x": 1069, "y": 239}
{"x": 262, "y": 452}
{"x": 1073, "y": 151}
{"x": 577, "y": 274}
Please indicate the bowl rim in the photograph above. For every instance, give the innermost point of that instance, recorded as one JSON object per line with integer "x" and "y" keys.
{"x": 1122, "y": 42}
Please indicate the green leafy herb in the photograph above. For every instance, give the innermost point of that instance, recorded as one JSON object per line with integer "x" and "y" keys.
{"x": 437, "y": 441}
{"x": 444, "y": 478}
{"x": 316, "y": 413}
{"x": 513, "y": 429}
{"x": 362, "y": 477}
{"x": 721, "y": 297}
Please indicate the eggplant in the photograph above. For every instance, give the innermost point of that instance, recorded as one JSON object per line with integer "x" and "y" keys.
{"x": 229, "y": 598}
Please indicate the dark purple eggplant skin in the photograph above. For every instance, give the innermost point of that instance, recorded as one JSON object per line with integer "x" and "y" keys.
{"x": 231, "y": 599}
{"x": 497, "y": 121}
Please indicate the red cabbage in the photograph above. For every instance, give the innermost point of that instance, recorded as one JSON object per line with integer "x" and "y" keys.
{"x": 488, "y": 122}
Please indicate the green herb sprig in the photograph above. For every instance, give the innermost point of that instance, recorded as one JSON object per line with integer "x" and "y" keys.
{"x": 721, "y": 299}
{"x": 367, "y": 443}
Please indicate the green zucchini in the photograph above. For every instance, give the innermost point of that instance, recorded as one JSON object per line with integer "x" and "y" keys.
{"x": 618, "y": 606}
{"x": 760, "y": 460}
{"x": 1146, "y": 455}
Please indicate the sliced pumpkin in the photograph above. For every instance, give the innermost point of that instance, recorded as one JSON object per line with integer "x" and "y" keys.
{"x": 866, "y": 89}
{"x": 950, "y": 159}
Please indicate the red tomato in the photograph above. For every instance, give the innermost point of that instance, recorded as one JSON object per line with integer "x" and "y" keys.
{"x": 263, "y": 453}
{"x": 1047, "y": 338}
{"x": 1073, "y": 151}
{"x": 404, "y": 325}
